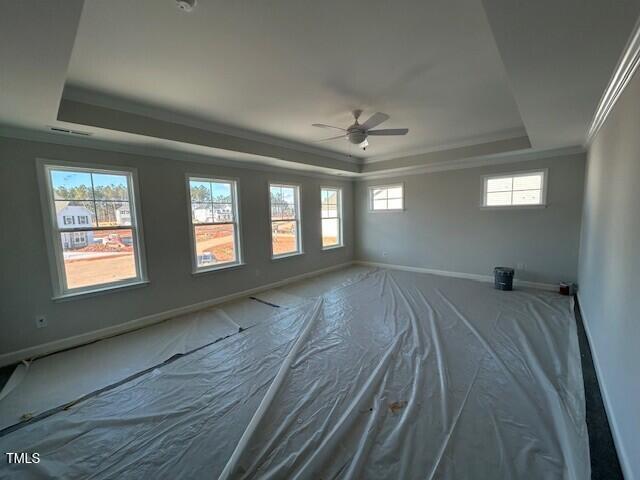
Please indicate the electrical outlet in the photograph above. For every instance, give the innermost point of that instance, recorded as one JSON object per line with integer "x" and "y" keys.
{"x": 384, "y": 254}
{"x": 521, "y": 266}
{"x": 41, "y": 321}
{"x": 258, "y": 272}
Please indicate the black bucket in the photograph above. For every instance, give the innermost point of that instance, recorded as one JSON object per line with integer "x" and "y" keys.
{"x": 503, "y": 278}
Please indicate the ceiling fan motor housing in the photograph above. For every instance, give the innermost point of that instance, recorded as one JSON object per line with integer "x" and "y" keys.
{"x": 356, "y": 136}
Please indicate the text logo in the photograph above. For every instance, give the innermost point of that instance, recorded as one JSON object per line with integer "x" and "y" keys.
{"x": 22, "y": 458}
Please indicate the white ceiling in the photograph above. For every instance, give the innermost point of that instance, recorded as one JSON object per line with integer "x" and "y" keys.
{"x": 559, "y": 56}
{"x": 276, "y": 67}
{"x": 244, "y": 82}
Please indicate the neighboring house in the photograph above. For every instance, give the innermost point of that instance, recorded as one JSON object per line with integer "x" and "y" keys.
{"x": 75, "y": 216}
{"x": 202, "y": 215}
{"x": 123, "y": 215}
{"x": 221, "y": 212}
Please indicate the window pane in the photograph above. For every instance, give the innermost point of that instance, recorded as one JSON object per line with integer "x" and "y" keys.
{"x": 215, "y": 244}
{"x": 379, "y": 204}
{"x": 284, "y": 237}
{"x": 75, "y": 214}
{"x": 200, "y": 191}
{"x": 221, "y": 192}
{"x": 528, "y": 182}
{"x": 112, "y": 214}
{"x": 395, "y": 203}
{"x": 330, "y": 197}
{"x": 110, "y": 187}
{"x": 526, "y": 197}
{"x": 282, "y": 211}
{"x": 499, "y": 198}
{"x": 288, "y": 195}
{"x": 395, "y": 192}
{"x": 330, "y": 211}
{"x": 71, "y": 185}
{"x": 201, "y": 212}
{"x": 276, "y": 193}
{"x": 379, "y": 193}
{"x": 330, "y": 232}
{"x": 499, "y": 184}
{"x": 222, "y": 212}
{"x": 97, "y": 257}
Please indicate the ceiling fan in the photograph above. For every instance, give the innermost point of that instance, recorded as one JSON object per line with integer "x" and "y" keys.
{"x": 358, "y": 133}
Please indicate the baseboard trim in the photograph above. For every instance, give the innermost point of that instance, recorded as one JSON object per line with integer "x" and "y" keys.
{"x": 625, "y": 465}
{"x": 84, "y": 338}
{"x": 469, "y": 276}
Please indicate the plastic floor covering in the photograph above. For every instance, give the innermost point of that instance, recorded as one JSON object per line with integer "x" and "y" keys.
{"x": 390, "y": 375}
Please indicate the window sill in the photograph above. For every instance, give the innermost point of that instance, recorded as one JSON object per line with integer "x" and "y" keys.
{"x": 332, "y": 247}
{"x": 232, "y": 266}
{"x": 388, "y": 210}
{"x": 286, "y": 255}
{"x": 512, "y": 207}
{"x": 65, "y": 297}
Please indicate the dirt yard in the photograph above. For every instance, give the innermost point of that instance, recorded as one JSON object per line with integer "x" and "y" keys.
{"x": 284, "y": 243}
{"x": 92, "y": 271}
{"x": 329, "y": 241}
{"x": 217, "y": 240}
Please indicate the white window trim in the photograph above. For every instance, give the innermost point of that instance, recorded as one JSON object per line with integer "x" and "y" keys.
{"x": 386, "y": 210}
{"x": 340, "y": 210}
{"x": 543, "y": 192}
{"x": 54, "y": 247}
{"x": 235, "y": 195}
{"x": 298, "y": 190}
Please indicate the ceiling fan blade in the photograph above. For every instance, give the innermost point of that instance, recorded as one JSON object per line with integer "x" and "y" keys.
{"x": 389, "y": 131}
{"x": 322, "y": 125}
{"x": 375, "y": 120}
{"x": 330, "y": 138}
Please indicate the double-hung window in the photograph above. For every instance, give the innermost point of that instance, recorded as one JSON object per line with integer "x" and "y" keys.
{"x": 331, "y": 211}
{"x": 285, "y": 220}
{"x": 214, "y": 223}
{"x": 92, "y": 248}
{"x": 515, "y": 189}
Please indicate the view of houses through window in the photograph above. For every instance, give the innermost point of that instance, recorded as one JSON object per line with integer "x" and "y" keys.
{"x": 214, "y": 222}
{"x": 94, "y": 220}
{"x": 97, "y": 236}
{"x": 331, "y": 204}
{"x": 285, "y": 219}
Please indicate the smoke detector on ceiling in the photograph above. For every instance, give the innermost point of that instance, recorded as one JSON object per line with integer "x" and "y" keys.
{"x": 186, "y": 5}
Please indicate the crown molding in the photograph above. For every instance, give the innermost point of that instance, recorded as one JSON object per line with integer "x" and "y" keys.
{"x": 89, "y": 97}
{"x": 475, "y": 162}
{"x": 625, "y": 68}
{"x": 147, "y": 151}
{"x": 507, "y": 134}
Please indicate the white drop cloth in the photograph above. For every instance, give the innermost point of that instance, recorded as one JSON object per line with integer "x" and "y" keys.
{"x": 61, "y": 378}
{"x": 396, "y": 375}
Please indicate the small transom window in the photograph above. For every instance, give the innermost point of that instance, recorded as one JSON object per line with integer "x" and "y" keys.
{"x": 514, "y": 190}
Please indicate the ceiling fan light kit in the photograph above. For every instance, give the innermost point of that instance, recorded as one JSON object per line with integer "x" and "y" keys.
{"x": 357, "y": 133}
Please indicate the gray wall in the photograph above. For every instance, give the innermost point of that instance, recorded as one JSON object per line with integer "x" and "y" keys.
{"x": 25, "y": 285}
{"x": 444, "y": 228}
{"x": 609, "y": 269}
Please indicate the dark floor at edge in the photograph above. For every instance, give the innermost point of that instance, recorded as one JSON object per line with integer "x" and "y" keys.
{"x": 604, "y": 458}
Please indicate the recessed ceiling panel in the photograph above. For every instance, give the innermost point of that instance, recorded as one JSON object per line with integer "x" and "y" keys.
{"x": 276, "y": 67}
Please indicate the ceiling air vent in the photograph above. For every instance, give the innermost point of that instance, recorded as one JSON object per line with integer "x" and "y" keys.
{"x": 70, "y": 132}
